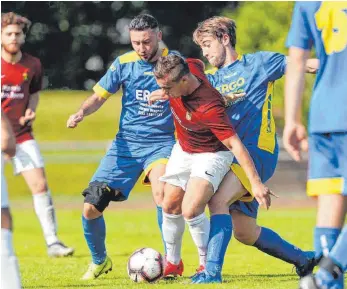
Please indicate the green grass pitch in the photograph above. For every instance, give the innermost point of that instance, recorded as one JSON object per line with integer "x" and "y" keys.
{"x": 133, "y": 227}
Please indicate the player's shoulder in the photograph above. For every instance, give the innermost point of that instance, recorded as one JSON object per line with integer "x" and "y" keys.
{"x": 308, "y": 6}
{"x": 128, "y": 57}
{"x": 211, "y": 71}
{"x": 31, "y": 59}
{"x": 264, "y": 56}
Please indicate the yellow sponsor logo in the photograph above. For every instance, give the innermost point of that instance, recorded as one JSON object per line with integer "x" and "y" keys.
{"x": 148, "y": 73}
{"x": 232, "y": 86}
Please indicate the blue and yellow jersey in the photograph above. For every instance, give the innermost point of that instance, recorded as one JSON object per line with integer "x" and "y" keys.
{"x": 251, "y": 115}
{"x": 139, "y": 121}
{"x": 324, "y": 25}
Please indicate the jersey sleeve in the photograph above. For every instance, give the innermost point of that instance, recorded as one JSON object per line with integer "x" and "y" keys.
{"x": 217, "y": 120}
{"x": 110, "y": 82}
{"x": 274, "y": 64}
{"x": 36, "y": 82}
{"x": 300, "y": 34}
{"x": 197, "y": 67}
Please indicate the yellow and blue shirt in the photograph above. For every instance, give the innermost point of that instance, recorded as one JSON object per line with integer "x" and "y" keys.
{"x": 251, "y": 115}
{"x": 324, "y": 25}
{"x": 139, "y": 121}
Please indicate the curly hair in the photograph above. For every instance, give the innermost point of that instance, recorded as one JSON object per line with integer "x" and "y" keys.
{"x": 12, "y": 18}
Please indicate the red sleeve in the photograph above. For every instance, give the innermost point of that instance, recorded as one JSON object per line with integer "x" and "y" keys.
{"x": 197, "y": 67}
{"x": 36, "y": 82}
{"x": 217, "y": 120}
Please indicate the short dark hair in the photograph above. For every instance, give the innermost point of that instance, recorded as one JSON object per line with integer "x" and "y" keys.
{"x": 12, "y": 18}
{"x": 171, "y": 65}
{"x": 143, "y": 22}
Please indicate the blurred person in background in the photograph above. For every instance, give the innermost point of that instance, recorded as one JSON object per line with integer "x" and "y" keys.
{"x": 21, "y": 80}
{"x": 324, "y": 26}
{"x": 10, "y": 277}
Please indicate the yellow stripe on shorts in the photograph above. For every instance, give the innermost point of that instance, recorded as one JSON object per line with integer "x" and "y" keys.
{"x": 145, "y": 179}
{"x": 326, "y": 186}
{"x": 240, "y": 173}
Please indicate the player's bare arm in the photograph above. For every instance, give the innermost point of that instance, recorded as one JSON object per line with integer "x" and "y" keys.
{"x": 312, "y": 64}
{"x": 260, "y": 191}
{"x": 294, "y": 134}
{"x": 8, "y": 140}
{"x": 89, "y": 106}
{"x": 30, "y": 113}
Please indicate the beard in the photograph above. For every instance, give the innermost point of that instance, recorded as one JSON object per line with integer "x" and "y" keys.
{"x": 154, "y": 53}
{"x": 220, "y": 61}
{"x": 12, "y": 49}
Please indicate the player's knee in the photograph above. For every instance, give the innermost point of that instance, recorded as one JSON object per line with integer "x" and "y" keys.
{"x": 40, "y": 187}
{"x": 171, "y": 206}
{"x": 247, "y": 235}
{"x": 90, "y": 212}
{"x": 6, "y": 219}
{"x": 158, "y": 196}
{"x": 218, "y": 206}
{"x": 244, "y": 236}
{"x": 189, "y": 213}
{"x": 99, "y": 195}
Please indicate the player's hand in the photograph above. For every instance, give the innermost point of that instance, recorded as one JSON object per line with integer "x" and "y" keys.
{"x": 295, "y": 140}
{"x": 263, "y": 194}
{"x": 156, "y": 95}
{"x": 74, "y": 119}
{"x": 28, "y": 118}
{"x": 229, "y": 97}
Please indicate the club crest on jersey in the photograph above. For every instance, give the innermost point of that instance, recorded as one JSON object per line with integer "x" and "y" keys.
{"x": 189, "y": 115}
{"x": 25, "y": 75}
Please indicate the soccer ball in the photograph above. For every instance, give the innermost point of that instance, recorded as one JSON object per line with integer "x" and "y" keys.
{"x": 145, "y": 265}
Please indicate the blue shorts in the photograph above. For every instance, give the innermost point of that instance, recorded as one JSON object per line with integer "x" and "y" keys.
{"x": 125, "y": 161}
{"x": 265, "y": 163}
{"x": 327, "y": 167}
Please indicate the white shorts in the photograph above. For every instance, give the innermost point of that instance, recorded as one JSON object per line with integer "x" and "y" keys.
{"x": 209, "y": 166}
{"x": 4, "y": 193}
{"x": 27, "y": 157}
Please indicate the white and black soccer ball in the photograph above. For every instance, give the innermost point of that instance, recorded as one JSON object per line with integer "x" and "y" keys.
{"x": 145, "y": 265}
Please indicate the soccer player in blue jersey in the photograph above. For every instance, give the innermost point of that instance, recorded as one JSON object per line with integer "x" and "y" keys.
{"x": 324, "y": 25}
{"x": 251, "y": 115}
{"x": 143, "y": 143}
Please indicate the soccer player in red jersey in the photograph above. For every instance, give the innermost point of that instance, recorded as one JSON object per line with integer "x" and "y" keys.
{"x": 206, "y": 146}
{"x": 21, "y": 78}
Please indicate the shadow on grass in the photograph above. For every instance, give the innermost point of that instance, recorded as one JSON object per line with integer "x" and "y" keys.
{"x": 228, "y": 278}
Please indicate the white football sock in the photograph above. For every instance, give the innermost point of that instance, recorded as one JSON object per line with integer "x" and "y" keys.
{"x": 199, "y": 228}
{"x": 44, "y": 209}
{"x": 173, "y": 229}
{"x": 10, "y": 277}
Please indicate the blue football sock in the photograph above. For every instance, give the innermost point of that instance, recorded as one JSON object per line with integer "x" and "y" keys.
{"x": 160, "y": 224}
{"x": 272, "y": 244}
{"x": 324, "y": 241}
{"x": 339, "y": 253}
{"x": 95, "y": 234}
{"x": 220, "y": 235}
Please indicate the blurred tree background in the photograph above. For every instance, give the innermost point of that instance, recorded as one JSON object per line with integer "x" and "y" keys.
{"x": 77, "y": 41}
